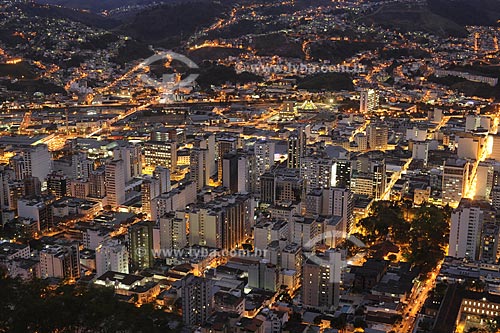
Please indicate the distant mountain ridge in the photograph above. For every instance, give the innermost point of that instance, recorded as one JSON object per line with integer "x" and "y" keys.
{"x": 98, "y": 5}
{"x": 467, "y": 12}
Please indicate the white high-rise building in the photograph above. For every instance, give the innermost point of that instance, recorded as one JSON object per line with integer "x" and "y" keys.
{"x": 150, "y": 189}
{"x": 131, "y": 156}
{"x": 111, "y": 255}
{"x": 470, "y": 147}
{"x": 34, "y": 161}
{"x": 163, "y": 175}
{"x": 264, "y": 158}
{"x": 318, "y": 172}
{"x": 378, "y": 135}
{"x": 321, "y": 281}
{"x": 472, "y": 122}
{"x": 199, "y": 167}
{"x": 466, "y": 227}
{"x": 60, "y": 261}
{"x": 223, "y": 223}
{"x": 205, "y": 228}
{"x": 420, "y": 151}
{"x": 455, "y": 178}
{"x": 197, "y": 300}
{"x": 207, "y": 141}
{"x": 339, "y": 202}
{"x": 484, "y": 180}
{"x": 368, "y": 101}
{"x": 173, "y": 233}
{"x": 303, "y": 230}
{"x": 115, "y": 183}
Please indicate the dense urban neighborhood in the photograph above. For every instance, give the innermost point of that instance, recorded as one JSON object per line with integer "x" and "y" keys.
{"x": 250, "y": 166}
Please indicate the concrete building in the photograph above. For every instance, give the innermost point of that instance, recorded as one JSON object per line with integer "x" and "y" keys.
{"x": 303, "y": 231}
{"x": 296, "y": 148}
{"x": 455, "y": 178}
{"x": 466, "y": 228}
{"x": 60, "y": 261}
{"x": 163, "y": 154}
{"x": 339, "y": 202}
{"x": 38, "y": 209}
{"x": 150, "y": 189}
{"x": 199, "y": 167}
{"x": 111, "y": 255}
{"x": 266, "y": 231}
{"x": 264, "y": 158}
{"x": 140, "y": 246}
{"x": 224, "y": 223}
{"x": 176, "y": 199}
{"x": 484, "y": 180}
{"x": 321, "y": 281}
{"x": 131, "y": 156}
{"x": 416, "y": 134}
{"x": 236, "y": 172}
{"x": 420, "y": 151}
{"x": 197, "y": 300}
{"x": 115, "y": 183}
{"x": 57, "y": 184}
{"x": 263, "y": 275}
{"x": 225, "y": 144}
{"x": 378, "y": 135}
{"x": 368, "y": 101}
{"x": 173, "y": 231}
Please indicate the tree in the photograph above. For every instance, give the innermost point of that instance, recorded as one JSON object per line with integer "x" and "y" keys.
{"x": 428, "y": 237}
{"x": 386, "y": 218}
{"x": 339, "y": 322}
{"x": 37, "y": 307}
{"x": 359, "y": 322}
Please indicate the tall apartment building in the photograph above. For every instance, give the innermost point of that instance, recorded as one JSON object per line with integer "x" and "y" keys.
{"x": 74, "y": 166}
{"x": 263, "y": 275}
{"x": 39, "y": 209}
{"x": 318, "y": 172}
{"x": 111, "y": 255}
{"x": 206, "y": 141}
{"x": 368, "y": 101}
{"x": 321, "y": 281}
{"x": 60, "y": 261}
{"x": 236, "y": 172}
{"x": 199, "y": 169}
{"x": 115, "y": 183}
{"x": 296, "y": 148}
{"x": 131, "y": 155}
{"x": 223, "y": 223}
{"x": 455, "y": 179}
{"x": 339, "y": 202}
{"x": 173, "y": 231}
{"x": 303, "y": 231}
{"x": 224, "y": 145}
{"x": 264, "y": 158}
{"x": 197, "y": 300}
{"x": 369, "y": 178}
{"x": 282, "y": 186}
{"x": 57, "y": 184}
{"x": 466, "y": 230}
{"x": 378, "y": 135}
{"x": 97, "y": 180}
{"x": 140, "y": 246}
{"x": 161, "y": 154}
{"x": 150, "y": 189}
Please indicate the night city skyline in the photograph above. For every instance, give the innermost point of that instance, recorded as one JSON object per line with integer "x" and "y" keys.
{"x": 250, "y": 166}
